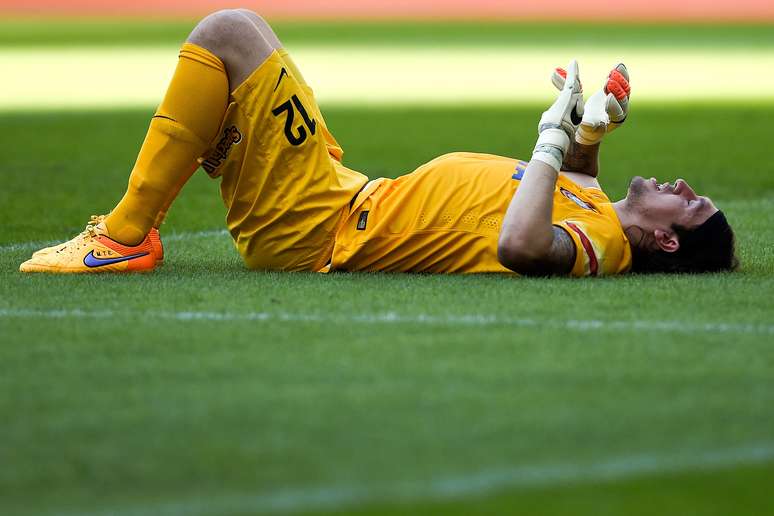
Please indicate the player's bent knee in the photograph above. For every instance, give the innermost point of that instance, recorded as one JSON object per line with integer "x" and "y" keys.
{"x": 216, "y": 31}
{"x": 263, "y": 27}
{"x": 254, "y": 16}
{"x": 228, "y": 34}
{"x": 235, "y": 40}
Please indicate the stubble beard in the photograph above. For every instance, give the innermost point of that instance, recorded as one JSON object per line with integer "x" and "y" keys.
{"x": 635, "y": 203}
{"x": 636, "y": 192}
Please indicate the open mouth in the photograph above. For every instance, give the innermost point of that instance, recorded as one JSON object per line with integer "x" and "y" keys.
{"x": 660, "y": 187}
{"x": 674, "y": 188}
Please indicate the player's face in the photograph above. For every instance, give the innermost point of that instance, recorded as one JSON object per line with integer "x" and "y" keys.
{"x": 665, "y": 204}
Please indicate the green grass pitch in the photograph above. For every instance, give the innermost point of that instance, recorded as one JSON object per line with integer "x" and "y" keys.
{"x": 204, "y": 388}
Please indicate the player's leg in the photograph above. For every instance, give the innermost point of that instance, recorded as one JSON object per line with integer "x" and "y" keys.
{"x": 211, "y": 34}
{"x": 284, "y": 190}
{"x": 220, "y": 53}
{"x": 271, "y": 37}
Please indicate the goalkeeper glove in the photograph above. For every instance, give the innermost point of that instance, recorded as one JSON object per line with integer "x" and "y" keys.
{"x": 606, "y": 109}
{"x": 559, "y": 123}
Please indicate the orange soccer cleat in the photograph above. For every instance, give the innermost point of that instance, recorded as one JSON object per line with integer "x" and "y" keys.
{"x": 94, "y": 251}
{"x": 155, "y": 240}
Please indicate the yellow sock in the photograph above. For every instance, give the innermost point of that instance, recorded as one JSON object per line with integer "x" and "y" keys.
{"x": 162, "y": 214}
{"x": 179, "y": 133}
{"x": 294, "y": 71}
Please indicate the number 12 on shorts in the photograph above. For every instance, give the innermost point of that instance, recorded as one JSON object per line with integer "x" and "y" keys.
{"x": 290, "y": 106}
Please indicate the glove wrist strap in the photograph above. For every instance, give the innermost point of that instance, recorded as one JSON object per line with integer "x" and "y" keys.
{"x": 551, "y": 146}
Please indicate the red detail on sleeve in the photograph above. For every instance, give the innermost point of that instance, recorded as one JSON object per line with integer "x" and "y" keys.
{"x": 593, "y": 263}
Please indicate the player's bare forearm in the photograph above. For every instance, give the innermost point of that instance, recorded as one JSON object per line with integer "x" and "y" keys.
{"x": 527, "y": 233}
{"x": 529, "y": 243}
{"x": 583, "y": 159}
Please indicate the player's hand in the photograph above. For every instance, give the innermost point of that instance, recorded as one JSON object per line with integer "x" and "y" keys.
{"x": 606, "y": 109}
{"x": 560, "y": 122}
{"x": 567, "y": 111}
{"x": 618, "y": 85}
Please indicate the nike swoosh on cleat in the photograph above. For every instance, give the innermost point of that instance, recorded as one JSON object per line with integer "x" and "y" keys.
{"x": 92, "y": 261}
{"x": 283, "y": 73}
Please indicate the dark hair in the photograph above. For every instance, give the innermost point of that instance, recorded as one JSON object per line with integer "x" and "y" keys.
{"x": 706, "y": 248}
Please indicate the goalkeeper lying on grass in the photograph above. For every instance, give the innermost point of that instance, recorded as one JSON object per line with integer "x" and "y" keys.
{"x": 238, "y": 107}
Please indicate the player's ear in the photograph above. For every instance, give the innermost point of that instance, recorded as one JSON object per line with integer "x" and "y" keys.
{"x": 666, "y": 240}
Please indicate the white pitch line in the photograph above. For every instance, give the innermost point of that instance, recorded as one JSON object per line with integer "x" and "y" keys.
{"x": 579, "y": 325}
{"x": 338, "y": 496}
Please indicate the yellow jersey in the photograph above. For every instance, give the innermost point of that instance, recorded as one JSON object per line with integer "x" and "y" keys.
{"x": 445, "y": 217}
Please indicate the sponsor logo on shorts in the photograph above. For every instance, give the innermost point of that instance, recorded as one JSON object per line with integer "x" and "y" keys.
{"x": 231, "y": 136}
{"x": 577, "y": 200}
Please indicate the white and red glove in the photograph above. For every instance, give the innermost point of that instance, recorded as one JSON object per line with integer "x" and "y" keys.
{"x": 606, "y": 109}
{"x": 560, "y": 122}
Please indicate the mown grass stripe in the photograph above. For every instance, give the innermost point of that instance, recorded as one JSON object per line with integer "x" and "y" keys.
{"x": 579, "y": 325}
{"x": 361, "y": 75}
{"x": 102, "y": 31}
{"x": 332, "y": 497}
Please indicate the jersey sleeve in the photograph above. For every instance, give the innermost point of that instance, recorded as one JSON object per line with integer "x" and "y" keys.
{"x": 599, "y": 250}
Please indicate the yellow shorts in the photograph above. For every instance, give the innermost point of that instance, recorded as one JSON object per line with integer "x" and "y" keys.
{"x": 283, "y": 184}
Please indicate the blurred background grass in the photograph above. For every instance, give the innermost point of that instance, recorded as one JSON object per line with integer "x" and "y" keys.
{"x": 49, "y": 31}
{"x": 80, "y": 63}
